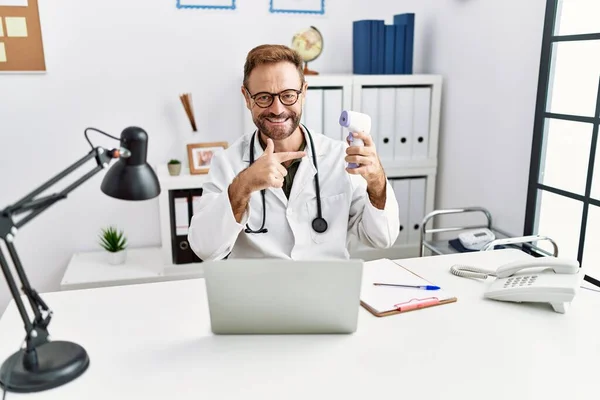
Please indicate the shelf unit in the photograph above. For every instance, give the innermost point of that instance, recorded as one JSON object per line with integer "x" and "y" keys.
{"x": 405, "y": 110}
{"x": 328, "y": 96}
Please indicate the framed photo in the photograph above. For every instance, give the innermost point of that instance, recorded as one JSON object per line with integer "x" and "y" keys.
{"x": 200, "y": 155}
{"x": 207, "y": 4}
{"x": 297, "y": 6}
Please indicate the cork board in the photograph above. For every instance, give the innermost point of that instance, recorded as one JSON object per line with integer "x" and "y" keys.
{"x": 21, "y": 47}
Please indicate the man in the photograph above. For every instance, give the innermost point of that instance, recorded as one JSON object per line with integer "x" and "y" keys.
{"x": 264, "y": 197}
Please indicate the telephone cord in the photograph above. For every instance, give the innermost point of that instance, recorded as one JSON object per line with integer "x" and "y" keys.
{"x": 467, "y": 271}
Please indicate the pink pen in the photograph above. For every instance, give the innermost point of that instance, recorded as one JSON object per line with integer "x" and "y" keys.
{"x": 415, "y": 304}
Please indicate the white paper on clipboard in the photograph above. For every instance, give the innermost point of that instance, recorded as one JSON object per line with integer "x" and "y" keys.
{"x": 388, "y": 298}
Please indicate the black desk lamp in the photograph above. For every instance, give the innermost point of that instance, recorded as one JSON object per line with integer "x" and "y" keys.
{"x": 43, "y": 364}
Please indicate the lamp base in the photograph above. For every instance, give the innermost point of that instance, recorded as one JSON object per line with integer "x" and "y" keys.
{"x": 58, "y": 363}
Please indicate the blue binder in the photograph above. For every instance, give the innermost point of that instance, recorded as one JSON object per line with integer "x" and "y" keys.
{"x": 390, "y": 46}
{"x": 377, "y": 38}
{"x": 406, "y": 23}
{"x": 400, "y": 49}
{"x": 361, "y": 47}
{"x": 380, "y": 39}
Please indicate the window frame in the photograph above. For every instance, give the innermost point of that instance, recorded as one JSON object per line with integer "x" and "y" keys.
{"x": 541, "y": 115}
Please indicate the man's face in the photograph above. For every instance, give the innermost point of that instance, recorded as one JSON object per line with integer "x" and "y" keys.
{"x": 277, "y": 121}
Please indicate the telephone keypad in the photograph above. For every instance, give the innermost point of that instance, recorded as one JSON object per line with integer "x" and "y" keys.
{"x": 525, "y": 280}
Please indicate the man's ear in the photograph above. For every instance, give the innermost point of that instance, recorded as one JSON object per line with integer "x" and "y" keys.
{"x": 304, "y": 89}
{"x": 246, "y": 98}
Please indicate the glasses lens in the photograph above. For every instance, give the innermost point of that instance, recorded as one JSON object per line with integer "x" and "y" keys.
{"x": 289, "y": 97}
{"x": 263, "y": 99}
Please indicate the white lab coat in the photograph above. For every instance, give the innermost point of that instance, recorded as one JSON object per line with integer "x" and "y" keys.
{"x": 214, "y": 233}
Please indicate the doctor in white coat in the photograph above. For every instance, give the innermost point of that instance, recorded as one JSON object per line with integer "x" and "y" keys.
{"x": 284, "y": 191}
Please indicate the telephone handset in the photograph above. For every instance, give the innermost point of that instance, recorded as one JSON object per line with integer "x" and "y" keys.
{"x": 555, "y": 281}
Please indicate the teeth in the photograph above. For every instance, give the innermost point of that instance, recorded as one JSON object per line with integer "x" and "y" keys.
{"x": 277, "y": 120}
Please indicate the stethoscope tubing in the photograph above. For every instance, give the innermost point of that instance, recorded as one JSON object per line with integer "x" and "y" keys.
{"x": 319, "y": 224}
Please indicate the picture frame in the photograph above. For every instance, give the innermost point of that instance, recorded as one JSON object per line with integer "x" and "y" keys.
{"x": 297, "y": 6}
{"x": 200, "y": 155}
{"x": 207, "y": 4}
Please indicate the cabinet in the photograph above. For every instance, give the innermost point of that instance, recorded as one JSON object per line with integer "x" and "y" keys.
{"x": 405, "y": 113}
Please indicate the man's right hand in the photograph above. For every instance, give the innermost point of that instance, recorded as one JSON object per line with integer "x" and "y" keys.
{"x": 267, "y": 171}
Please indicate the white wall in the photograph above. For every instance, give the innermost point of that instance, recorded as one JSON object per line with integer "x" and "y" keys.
{"x": 120, "y": 63}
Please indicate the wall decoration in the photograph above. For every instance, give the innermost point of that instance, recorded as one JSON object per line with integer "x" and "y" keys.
{"x": 21, "y": 47}
{"x": 200, "y": 155}
{"x": 206, "y": 4}
{"x": 186, "y": 100}
{"x": 297, "y": 6}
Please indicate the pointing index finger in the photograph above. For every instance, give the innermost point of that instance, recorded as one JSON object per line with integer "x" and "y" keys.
{"x": 288, "y": 155}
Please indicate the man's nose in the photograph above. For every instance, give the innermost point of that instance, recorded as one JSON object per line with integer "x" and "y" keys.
{"x": 277, "y": 107}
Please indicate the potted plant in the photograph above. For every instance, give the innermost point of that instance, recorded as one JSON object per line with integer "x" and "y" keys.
{"x": 174, "y": 167}
{"x": 115, "y": 243}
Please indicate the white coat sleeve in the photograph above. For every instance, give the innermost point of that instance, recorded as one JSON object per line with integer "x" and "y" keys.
{"x": 372, "y": 226}
{"x": 213, "y": 229}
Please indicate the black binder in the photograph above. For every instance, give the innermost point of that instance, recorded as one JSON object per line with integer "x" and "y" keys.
{"x": 181, "y": 209}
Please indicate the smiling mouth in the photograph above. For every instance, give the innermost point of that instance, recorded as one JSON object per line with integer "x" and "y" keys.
{"x": 277, "y": 120}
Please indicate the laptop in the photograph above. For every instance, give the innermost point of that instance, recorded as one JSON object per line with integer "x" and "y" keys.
{"x": 273, "y": 296}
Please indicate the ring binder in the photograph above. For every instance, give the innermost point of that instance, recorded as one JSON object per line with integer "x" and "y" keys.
{"x": 182, "y": 203}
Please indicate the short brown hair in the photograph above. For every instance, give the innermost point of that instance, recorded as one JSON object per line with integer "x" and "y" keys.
{"x": 272, "y": 53}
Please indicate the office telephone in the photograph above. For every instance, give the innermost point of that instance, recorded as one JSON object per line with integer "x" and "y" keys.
{"x": 553, "y": 280}
{"x": 476, "y": 239}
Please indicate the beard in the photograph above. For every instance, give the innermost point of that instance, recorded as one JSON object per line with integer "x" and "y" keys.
{"x": 279, "y": 131}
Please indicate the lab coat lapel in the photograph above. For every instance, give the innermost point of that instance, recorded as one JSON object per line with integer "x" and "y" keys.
{"x": 257, "y": 148}
{"x": 278, "y": 192}
{"x": 304, "y": 175}
{"x": 307, "y": 171}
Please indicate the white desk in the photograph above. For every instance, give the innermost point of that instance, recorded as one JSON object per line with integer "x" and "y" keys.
{"x": 153, "y": 341}
{"x": 143, "y": 265}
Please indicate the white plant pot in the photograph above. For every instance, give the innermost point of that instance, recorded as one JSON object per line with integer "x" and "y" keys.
{"x": 117, "y": 258}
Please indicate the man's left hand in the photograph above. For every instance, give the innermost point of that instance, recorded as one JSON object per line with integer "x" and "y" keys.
{"x": 369, "y": 168}
{"x": 366, "y": 156}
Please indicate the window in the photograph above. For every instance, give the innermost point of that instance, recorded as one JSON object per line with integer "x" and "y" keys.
{"x": 563, "y": 201}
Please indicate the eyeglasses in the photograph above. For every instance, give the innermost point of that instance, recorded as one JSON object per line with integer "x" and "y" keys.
{"x": 288, "y": 97}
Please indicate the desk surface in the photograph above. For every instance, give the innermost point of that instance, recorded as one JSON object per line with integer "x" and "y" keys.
{"x": 153, "y": 341}
{"x": 143, "y": 265}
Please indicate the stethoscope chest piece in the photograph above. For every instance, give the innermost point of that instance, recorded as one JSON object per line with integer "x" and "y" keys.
{"x": 319, "y": 225}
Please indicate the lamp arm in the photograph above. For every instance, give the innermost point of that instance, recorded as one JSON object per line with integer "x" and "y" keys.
{"x": 36, "y": 330}
{"x": 101, "y": 158}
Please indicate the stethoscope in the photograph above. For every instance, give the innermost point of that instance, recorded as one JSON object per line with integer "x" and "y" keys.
{"x": 319, "y": 224}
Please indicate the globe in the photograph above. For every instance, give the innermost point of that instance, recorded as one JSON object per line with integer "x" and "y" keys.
{"x": 309, "y": 44}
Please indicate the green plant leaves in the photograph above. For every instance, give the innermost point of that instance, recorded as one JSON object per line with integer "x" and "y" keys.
{"x": 113, "y": 240}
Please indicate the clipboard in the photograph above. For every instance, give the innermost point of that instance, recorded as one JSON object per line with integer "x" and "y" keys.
{"x": 382, "y": 301}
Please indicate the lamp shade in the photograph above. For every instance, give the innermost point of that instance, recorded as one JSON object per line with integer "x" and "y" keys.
{"x": 131, "y": 178}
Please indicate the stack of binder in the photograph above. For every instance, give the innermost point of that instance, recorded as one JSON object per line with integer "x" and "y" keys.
{"x": 383, "y": 49}
{"x": 182, "y": 205}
